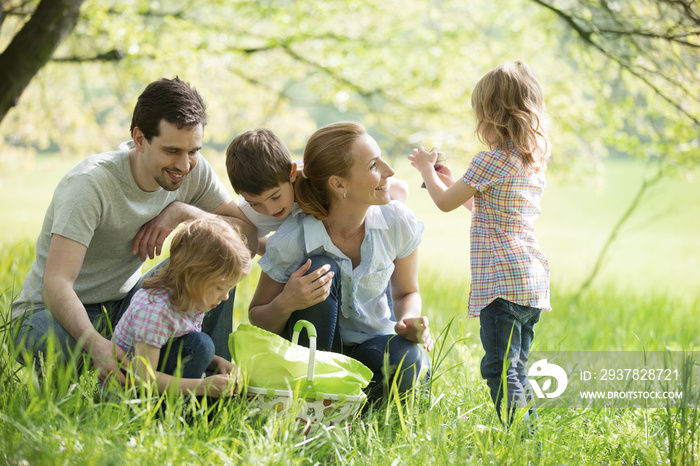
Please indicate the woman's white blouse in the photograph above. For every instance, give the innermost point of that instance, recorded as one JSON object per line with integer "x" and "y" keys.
{"x": 392, "y": 232}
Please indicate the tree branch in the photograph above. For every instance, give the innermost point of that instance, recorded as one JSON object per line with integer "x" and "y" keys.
{"x": 32, "y": 46}
{"x": 646, "y": 184}
{"x": 568, "y": 19}
{"x": 366, "y": 94}
{"x": 689, "y": 9}
{"x": 587, "y": 37}
{"x": 112, "y": 55}
{"x": 654, "y": 35}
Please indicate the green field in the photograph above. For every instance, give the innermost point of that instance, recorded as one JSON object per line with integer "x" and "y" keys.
{"x": 644, "y": 299}
{"x": 657, "y": 251}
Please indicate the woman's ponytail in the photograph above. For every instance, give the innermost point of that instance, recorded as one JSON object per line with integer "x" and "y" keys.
{"x": 327, "y": 153}
{"x": 310, "y": 200}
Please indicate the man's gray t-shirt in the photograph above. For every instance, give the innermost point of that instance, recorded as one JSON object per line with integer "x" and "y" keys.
{"x": 99, "y": 205}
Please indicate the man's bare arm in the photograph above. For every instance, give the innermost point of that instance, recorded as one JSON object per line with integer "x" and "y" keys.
{"x": 63, "y": 265}
{"x": 149, "y": 240}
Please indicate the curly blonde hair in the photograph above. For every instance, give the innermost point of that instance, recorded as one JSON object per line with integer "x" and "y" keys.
{"x": 509, "y": 106}
{"x": 203, "y": 252}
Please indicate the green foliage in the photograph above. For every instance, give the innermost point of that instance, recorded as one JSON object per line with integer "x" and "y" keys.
{"x": 15, "y": 261}
{"x": 406, "y": 69}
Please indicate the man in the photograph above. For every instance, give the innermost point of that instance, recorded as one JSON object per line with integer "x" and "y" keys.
{"x": 107, "y": 215}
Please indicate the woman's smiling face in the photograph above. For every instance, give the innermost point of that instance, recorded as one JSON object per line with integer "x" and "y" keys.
{"x": 368, "y": 182}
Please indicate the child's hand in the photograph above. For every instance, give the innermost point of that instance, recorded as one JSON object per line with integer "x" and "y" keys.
{"x": 422, "y": 159}
{"x": 221, "y": 386}
{"x": 415, "y": 329}
{"x": 220, "y": 365}
{"x": 445, "y": 174}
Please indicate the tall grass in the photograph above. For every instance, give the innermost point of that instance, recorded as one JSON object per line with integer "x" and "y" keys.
{"x": 67, "y": 422}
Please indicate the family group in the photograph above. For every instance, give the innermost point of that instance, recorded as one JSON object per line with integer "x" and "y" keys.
{"x": 338, "y": 247}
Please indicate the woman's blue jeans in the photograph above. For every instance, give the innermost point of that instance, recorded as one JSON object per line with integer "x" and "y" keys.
{"x": 383, "y": 354}
{"x": 506, "y": 334}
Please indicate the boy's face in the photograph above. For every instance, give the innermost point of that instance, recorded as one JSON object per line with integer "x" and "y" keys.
{"x": 276, "y": 202}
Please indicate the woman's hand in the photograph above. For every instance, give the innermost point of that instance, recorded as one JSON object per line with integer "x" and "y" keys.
{"x": 303, "y": 291}
{"x": 415, "y": 329}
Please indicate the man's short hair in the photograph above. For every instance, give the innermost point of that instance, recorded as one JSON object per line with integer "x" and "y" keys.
{"x": 256, "y": 161}
{"x": 172, "y": 100}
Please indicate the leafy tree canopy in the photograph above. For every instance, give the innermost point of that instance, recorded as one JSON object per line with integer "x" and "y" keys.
{"x": 620, "y": 77}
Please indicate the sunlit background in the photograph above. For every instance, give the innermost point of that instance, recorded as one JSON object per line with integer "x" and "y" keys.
{"x": 623, "y": 108}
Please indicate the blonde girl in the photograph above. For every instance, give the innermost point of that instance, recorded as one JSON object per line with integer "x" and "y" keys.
{"x": 161, "y": 331}
{"x": 509, "y": 272}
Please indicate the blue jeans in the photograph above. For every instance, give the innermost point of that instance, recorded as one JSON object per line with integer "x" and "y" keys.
{"x": 383, "y": 354}
{"x": 32, "y": 332}
{"x": 192, "y": 353}
{"x": 506, "y": 334}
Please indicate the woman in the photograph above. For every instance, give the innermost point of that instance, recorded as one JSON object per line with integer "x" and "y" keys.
{"x": 350, "y": 242}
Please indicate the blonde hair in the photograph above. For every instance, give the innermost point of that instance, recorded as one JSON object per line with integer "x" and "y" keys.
{"x": 203, "y": 252}
{"x": 509, "y": 105}
{"x": 328, "y": 152}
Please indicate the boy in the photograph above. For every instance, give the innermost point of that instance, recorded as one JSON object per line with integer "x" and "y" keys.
{"x": 262, "y": 173}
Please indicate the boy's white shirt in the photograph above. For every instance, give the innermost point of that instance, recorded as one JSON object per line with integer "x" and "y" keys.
{"x": 265, "y": 224}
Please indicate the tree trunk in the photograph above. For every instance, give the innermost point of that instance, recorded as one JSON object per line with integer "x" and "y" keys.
{"x": 33, "y": 46}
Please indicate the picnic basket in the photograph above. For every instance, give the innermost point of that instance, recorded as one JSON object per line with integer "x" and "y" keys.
{"x": 315, "y": 388}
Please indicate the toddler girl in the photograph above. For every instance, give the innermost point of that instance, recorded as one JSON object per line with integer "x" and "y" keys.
{"x": 161, "y": 329}
{"x": 509, "y": 272}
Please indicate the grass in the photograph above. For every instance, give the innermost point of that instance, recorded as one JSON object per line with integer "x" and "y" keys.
{"x": 66, "y": 423}
{"x": 645, "y": 299}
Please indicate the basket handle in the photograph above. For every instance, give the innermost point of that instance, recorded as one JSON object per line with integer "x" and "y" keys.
{"x": 311, "y": 331}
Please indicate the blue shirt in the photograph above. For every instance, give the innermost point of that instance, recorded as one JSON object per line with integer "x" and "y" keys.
{"x": 392, "y": 232}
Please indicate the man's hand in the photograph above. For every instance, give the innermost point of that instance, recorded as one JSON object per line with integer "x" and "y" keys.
{"x": 107, "y": 358}
{"x": 303, "y": 291}
{"x": 149, "y": 240}
{"x": 415, "y": 329}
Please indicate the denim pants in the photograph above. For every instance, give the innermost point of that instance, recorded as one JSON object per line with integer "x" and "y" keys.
{"x": 383, "y": 354}
{"x": 506, "y": 334}
{"x": 191, "y": 353}
{"x": 32, "y": 333}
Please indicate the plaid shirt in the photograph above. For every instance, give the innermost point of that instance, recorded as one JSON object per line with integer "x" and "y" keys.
{"x": 506, "y": 259}
{"x": 151, "y": 319}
